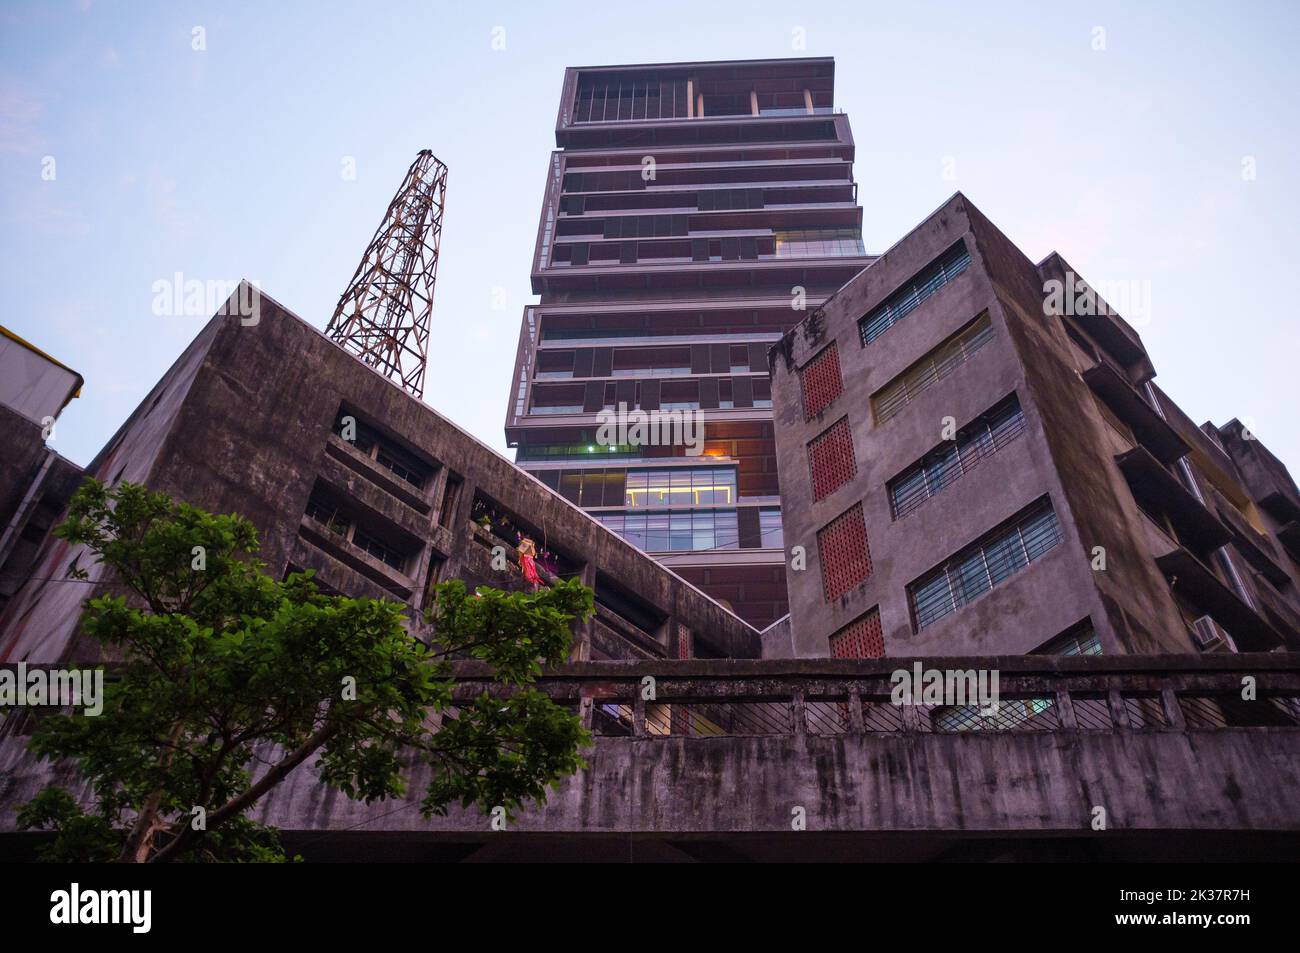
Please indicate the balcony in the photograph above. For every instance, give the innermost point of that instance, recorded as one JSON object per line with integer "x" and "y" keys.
{"x": 1265, "y": 476}
{"x": 332, "y": 539}
{"x": 1256, "y": 548}
{"x": 1290, "y": 537}
{"x": 1194, "y": 581}
{"x": 716, "y": 761}
{"x": 1156, "y": 488}
{"x": 1110, "y": 384}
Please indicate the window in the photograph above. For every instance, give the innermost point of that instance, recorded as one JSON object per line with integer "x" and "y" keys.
{"x": 660, "y": 531}
{"x": 932, "y": 368}
{"x": 450, "y": 497}
{"x": 981, "y": 566}
{"x": 831, "y": 460}
{"x": 325, "y": 507}
{"x": 401, "y": 463}
{"x": 601, "y": 100}
{"x": 862, "y": 638}
{"x": 328, "y": 514}
{"x": 680, "y": 486}
{"x": 770, "y": 532}
{"x": 1080, "y": 640}
{"x": 845, "y": 556}
{"x": 820, "y": 382}
{"x": 955, "y": 458}
{"x": 919, "y": 287}
{"x": 380, "y": 550}
{"x": 1010, "y": 714}
{"x": 818, "y": 243}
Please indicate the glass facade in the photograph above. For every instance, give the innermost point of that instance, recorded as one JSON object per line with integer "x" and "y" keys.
{"x": 770, "y": 531}
{"x": 658, "y": 487}
{"x": 818, "y": 243}
{"x": 663, "y": 531}
{"x": 662, "y": 290}
{"x": 681, "y": 486}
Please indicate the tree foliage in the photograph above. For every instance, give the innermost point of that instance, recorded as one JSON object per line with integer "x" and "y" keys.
{"x": 229, "y": 680}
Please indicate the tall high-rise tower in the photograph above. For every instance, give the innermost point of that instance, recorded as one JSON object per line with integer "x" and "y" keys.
{"x": 693, "y": 212}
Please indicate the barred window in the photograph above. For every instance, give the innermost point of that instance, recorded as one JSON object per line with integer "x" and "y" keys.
{"x": 402, "y": 463}
{"x": 328, "y": 513}
{"x": 845, "y": 555}
{"x": 919, "y": 287}
{"x": 932, "y": 368}
{"x": 942, "y": 466}
{"x": 380, "y": 550}
{"x": 821, "y": 382}
{"x": 861, "y": 638}
{"x": 984, "y": 564}
{"x": 831, "y": 459}
{"x": 1080, "y": 640}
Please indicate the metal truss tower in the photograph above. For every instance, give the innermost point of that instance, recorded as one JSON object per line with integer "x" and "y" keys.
{"x": 383, "y": 315}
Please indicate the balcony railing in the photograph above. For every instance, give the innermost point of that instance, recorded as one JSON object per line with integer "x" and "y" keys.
{"x": 718, "y": 698}
{"x": 732, "y": 698}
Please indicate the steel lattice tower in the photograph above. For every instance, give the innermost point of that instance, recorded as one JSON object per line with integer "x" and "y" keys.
{"x": 383, "y": 315}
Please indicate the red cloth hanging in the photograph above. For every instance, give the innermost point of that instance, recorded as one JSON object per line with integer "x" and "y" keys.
{"x": 529, "y": 566}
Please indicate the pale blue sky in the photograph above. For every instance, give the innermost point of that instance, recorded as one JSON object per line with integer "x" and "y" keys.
{"x": 227, "y": 162}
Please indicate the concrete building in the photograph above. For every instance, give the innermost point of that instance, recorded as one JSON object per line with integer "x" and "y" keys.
{"x": 35, "y": 481}
{"x": 974, "y": 462}
{"x": 975, "y": 459}
{"x": 689, "y": 210}
{"x": 714, "y": 766}
{"x": 411, "y": 499}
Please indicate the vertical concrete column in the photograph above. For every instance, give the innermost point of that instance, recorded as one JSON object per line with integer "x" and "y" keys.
{"x": 1173, "y": 711}
{"x": 856, "y": 722}
{"x": 581, "y": 651}
{"x": 638, "y": 713}
{"x": 434, "y": 494}
{"x": 807, "y": 100}
{"x": 1118, "y": 713}
{"x": 1065, "y": 711}
{"x": 911, "y": 715}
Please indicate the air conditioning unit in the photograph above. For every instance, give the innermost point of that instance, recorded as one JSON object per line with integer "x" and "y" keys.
{"x": 1209, "y": 636}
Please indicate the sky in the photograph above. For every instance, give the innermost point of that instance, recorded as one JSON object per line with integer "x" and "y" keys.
{"x": 1153, "y": 145}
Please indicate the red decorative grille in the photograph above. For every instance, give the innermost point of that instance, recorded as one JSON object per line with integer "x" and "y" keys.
{"x": 821, "y": 382}
{"x": 830, "y": 456}
{"x": 845, "y": 556}
{"x": 862, "y": 638}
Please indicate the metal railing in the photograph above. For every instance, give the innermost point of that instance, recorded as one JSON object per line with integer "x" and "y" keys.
{"x": 822, "y": 697}
{"x": 661, "y": 699}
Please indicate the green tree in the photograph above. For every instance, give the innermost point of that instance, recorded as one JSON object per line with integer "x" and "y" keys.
{"x": 229, "y": 680}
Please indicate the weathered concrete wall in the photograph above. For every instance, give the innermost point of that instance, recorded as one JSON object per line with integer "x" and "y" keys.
{"x": 1066, "y": 453}
{"x": 40, "y": 623}
{"x": 1013, "y": 617}
{"x": 243, "y": 423}
{"x": 1240, "y": 779}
